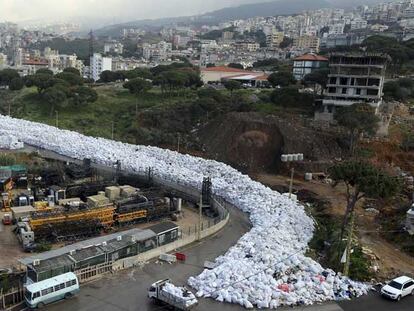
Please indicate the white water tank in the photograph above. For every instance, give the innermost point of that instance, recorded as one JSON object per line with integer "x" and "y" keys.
{"x": 308, "y": 176}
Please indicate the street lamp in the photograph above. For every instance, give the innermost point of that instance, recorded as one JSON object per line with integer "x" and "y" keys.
{"x": 289, "y": 158}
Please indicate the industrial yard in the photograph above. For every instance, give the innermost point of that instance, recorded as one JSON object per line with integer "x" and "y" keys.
{"x": 60, "y": 216}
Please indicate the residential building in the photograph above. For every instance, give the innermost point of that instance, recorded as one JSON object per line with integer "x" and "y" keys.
{"x": 310, "y": 43}
{"x": 113, "y": 47}
{"x": 274, "y": 39}
{"x": 218, "y": 74}
{"x": 227, "y": 35}
{"x": 247, "y": 46}
{"x": 353, "y": 79}
{"x": 379, "y": 28}
{"x": 307, "y": 63}
{"x": 358, "y": 24}
{"x": 98, "y": 64}
{"x": 336, "y": 29}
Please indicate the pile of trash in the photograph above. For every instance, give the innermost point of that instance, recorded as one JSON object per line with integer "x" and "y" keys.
{"x": 267, "y": 267}
{"x": 180, "y": 292}
{"x": 10, "y": 142}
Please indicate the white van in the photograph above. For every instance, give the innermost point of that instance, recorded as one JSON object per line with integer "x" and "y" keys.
{"x": 47, "y": 291}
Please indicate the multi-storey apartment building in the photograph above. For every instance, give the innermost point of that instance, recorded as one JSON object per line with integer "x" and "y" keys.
{"x": 309, "y": 43}
{"x": 353, "y": 79}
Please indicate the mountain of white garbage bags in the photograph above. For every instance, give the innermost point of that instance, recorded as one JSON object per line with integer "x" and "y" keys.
{"x": 266, "y": 268}
{"x": 10, "y": 142}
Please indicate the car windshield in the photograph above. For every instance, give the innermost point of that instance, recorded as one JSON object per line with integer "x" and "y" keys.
{"x": 395, "y": 284}
{"x": 28, "y": 295}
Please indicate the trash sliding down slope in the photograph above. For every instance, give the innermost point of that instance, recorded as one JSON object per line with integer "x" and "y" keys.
{"x": 266, "y": 268}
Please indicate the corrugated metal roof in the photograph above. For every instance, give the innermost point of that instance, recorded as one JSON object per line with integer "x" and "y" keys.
{"x": 163, "y": 227}
{"x": 138, "y": 234}
{"x": 53, "y": 263}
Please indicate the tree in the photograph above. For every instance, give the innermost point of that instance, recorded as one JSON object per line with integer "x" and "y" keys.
{"x": 232, "y": 85}
{"x": 171, "y": 80}
{"x": 54, "y": 97}
{"x": 42, "y": 81}
{"x": 138, "y": 86}
{"x": 317, "y": 77}
{"x": 16, "y": 84}
{"x": 362, "y": 180}
{"x": 109, "y": 76}
{"x": 358, "y": 119}
{"x": 7, "y": 75}
{"x": 286, "y": 42}
{"x": 281, "y": 78}
{"x": 71, "y": 78}
{"x": 84, "y": 95}
{"x": 268, "y": 62}
{"x": 72, "y": 70}
{"x": 235, "y": 65}
{"x": 44, "y": 71}
{"x": 290, "y": 97}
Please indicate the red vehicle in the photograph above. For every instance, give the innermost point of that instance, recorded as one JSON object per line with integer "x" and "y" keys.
{"x": 7, "y": 219}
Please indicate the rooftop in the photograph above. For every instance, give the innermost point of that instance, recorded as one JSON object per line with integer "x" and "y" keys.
{"x": 402, "y": 279}
{"x": 138, "y": 234}
{"x": 224, "y": 69}
{"x": 163, "y": 227}
{"x": 311, "y": 57}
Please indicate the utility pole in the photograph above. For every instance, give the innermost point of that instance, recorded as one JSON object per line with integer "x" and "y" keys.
{"x": 292, "y": 173}
{"x": 200, "y": 211}
{"x": 349, "y": 245}
{"x": 57, "y": 118}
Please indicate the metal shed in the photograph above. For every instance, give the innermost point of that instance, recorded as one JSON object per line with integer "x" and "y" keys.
{"x": 119, "y": 248}
{"x": 166, "y": 232}
{"x": 86, "y": 257}
{"x": 44, "y": 269}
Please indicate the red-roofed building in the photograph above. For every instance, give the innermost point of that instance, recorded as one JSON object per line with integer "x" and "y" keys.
{"x": 218, "y": 74}
{"x": 307, "y": 63}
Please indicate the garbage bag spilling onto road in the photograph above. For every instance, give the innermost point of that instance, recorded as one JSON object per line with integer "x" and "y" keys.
{"x": 267, "y": 266}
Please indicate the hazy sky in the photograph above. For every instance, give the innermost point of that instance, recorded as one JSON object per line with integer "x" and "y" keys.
{"x": 20, "y": 10}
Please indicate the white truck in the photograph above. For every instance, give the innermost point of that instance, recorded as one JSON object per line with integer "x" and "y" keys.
{"x": 164, "y": 292}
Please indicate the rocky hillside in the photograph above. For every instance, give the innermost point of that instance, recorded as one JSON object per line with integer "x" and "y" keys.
{"x": 250, "y": 140}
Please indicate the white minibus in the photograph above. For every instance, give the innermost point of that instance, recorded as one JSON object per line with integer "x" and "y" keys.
{"x": 47, "y": 291}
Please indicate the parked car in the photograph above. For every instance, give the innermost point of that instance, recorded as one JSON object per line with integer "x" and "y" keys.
{"x": 398, "y": 288}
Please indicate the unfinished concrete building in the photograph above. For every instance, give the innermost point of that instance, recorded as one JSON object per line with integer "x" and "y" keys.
{"x": 353, "y": 79}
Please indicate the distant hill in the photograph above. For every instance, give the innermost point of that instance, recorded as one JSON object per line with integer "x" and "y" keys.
{"x": 278, "y": 7}
{"x": 269, "y": 8}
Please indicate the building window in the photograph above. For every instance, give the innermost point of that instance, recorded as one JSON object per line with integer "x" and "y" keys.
{"x": 358, "y": 91}
{"x": 344, "y": 90}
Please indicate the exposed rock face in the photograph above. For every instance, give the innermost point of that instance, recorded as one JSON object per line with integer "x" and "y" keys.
{"x": 251, "y": 140}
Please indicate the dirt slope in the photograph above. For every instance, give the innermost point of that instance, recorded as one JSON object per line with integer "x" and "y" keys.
{"x": 251, "y": 140}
